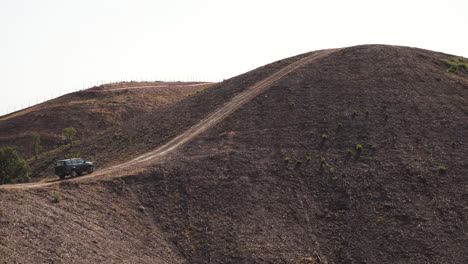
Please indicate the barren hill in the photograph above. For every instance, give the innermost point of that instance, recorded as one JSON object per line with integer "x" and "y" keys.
{"x": 89, "y": 111}
{"x": 356, "y": 155}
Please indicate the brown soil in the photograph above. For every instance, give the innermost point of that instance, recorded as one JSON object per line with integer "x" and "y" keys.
{"x": 89, "y": 111}
{"x": 229, "y": 195}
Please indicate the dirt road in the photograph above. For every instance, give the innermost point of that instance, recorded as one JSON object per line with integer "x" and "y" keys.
{"x": 151, "y": 86}
{"x": 211, "y": 120}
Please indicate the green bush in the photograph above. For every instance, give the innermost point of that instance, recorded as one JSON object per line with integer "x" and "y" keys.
{"x": 69, "y": 133}
{"x": 56, "y": 198}
{"x": 36, "y": 138}
{"x": 287, "y": 159}
{"x": 442, "y": 169}
{"x": 323, "y": 162}
{"x": 359, "y": 147}
{"x": 455, "y": 64}
{"x": 324, "y": 136}
{"x": 12, "y": 166}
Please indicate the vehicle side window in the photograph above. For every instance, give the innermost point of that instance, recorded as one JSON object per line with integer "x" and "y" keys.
{"x": 79, "y": 161}
{"x": 67, "y": 162}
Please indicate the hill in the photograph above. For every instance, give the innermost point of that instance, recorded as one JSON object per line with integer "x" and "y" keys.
{"x": 340, "y": 160}
{"x": 90, "y": 112}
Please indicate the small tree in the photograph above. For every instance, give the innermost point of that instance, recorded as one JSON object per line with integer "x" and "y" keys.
{"x": 69, "y": 133}
{"x": 36, "y": 143}
{"x": 11, "y": 165}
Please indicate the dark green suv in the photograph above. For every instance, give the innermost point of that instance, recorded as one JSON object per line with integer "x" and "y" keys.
{"x": 73, "y": 167}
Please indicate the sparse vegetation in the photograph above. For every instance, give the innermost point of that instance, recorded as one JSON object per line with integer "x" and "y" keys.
{"x": 56, "y": 198}
{"x": 442, "y": 169}
{"x": 359, "y": 147}
{"x": 340, "y": 125}
{"x": 323, "y": 162}
{"x": 69, "y": 133}
{"x": 455, "y": 64}
{"x": 298, "y": 161}
{"x": 453, "y": 144}
{"x": 324, "y": 137}
{"x": 354, "y": 114}
{"x": 36, "y": 144}
{"x": 287, "y": 159}
{"x": 349, "y": 151}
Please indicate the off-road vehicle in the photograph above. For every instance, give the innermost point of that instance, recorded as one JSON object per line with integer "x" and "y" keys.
{"x": 73, "y": 167}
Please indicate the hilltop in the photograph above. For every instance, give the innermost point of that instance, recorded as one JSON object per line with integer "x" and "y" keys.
{"x": 338, "y": 160}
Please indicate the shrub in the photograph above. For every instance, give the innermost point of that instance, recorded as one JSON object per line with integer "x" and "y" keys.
{"x": 298, "y": 161}
{"x": 455, "y": 64}
{"x": 323, "y": 162}
{"x": 56, "y": 198}
{"x": 442, "y": 169}
{"x": 12, "y": 166}
{"x": 332, "y": 170}
{"x": 324, "y": 136}
{"x": 308, "y": 158}
{"x": 340, "y": 125}
{"x": 36, "y": 144}
{"x": 287, "y": 159}
{"x": 69, "y": 133}
{"x": 354, "y": 114}
{"x": 453, "y": 144}
{"x": 373, "y": 147}
{"x": 349, "y": 151}
{"x": 359, "y": 147}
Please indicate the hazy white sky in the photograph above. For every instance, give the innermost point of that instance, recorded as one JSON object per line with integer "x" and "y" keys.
{"x": 51, "y": 47}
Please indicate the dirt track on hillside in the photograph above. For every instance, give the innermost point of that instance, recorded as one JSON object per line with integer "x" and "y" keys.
{"x": 206, "y": 123}
{"x": 148, "y": 86}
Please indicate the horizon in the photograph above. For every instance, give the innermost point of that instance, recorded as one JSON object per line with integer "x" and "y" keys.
{"x": 56, "y": 47}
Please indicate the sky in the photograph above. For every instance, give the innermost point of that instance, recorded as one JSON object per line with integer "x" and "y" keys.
{"x": 52, "y": 47}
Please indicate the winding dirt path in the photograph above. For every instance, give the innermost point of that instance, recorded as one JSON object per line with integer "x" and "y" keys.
{"x": 211, "y": 120}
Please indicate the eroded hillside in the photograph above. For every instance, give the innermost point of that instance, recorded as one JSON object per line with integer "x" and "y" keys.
{"x": 336, "y": 162}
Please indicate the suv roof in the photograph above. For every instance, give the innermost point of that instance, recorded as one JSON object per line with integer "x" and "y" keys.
{"x": 70, "y": 159}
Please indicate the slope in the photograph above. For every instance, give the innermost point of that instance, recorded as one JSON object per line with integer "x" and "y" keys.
{"x": 88, "y": 111}
{"x": 255, "y": 189}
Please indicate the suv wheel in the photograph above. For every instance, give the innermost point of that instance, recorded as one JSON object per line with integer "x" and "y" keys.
{"x": 90, "y": 169}
{"x": 73, "y": 173}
